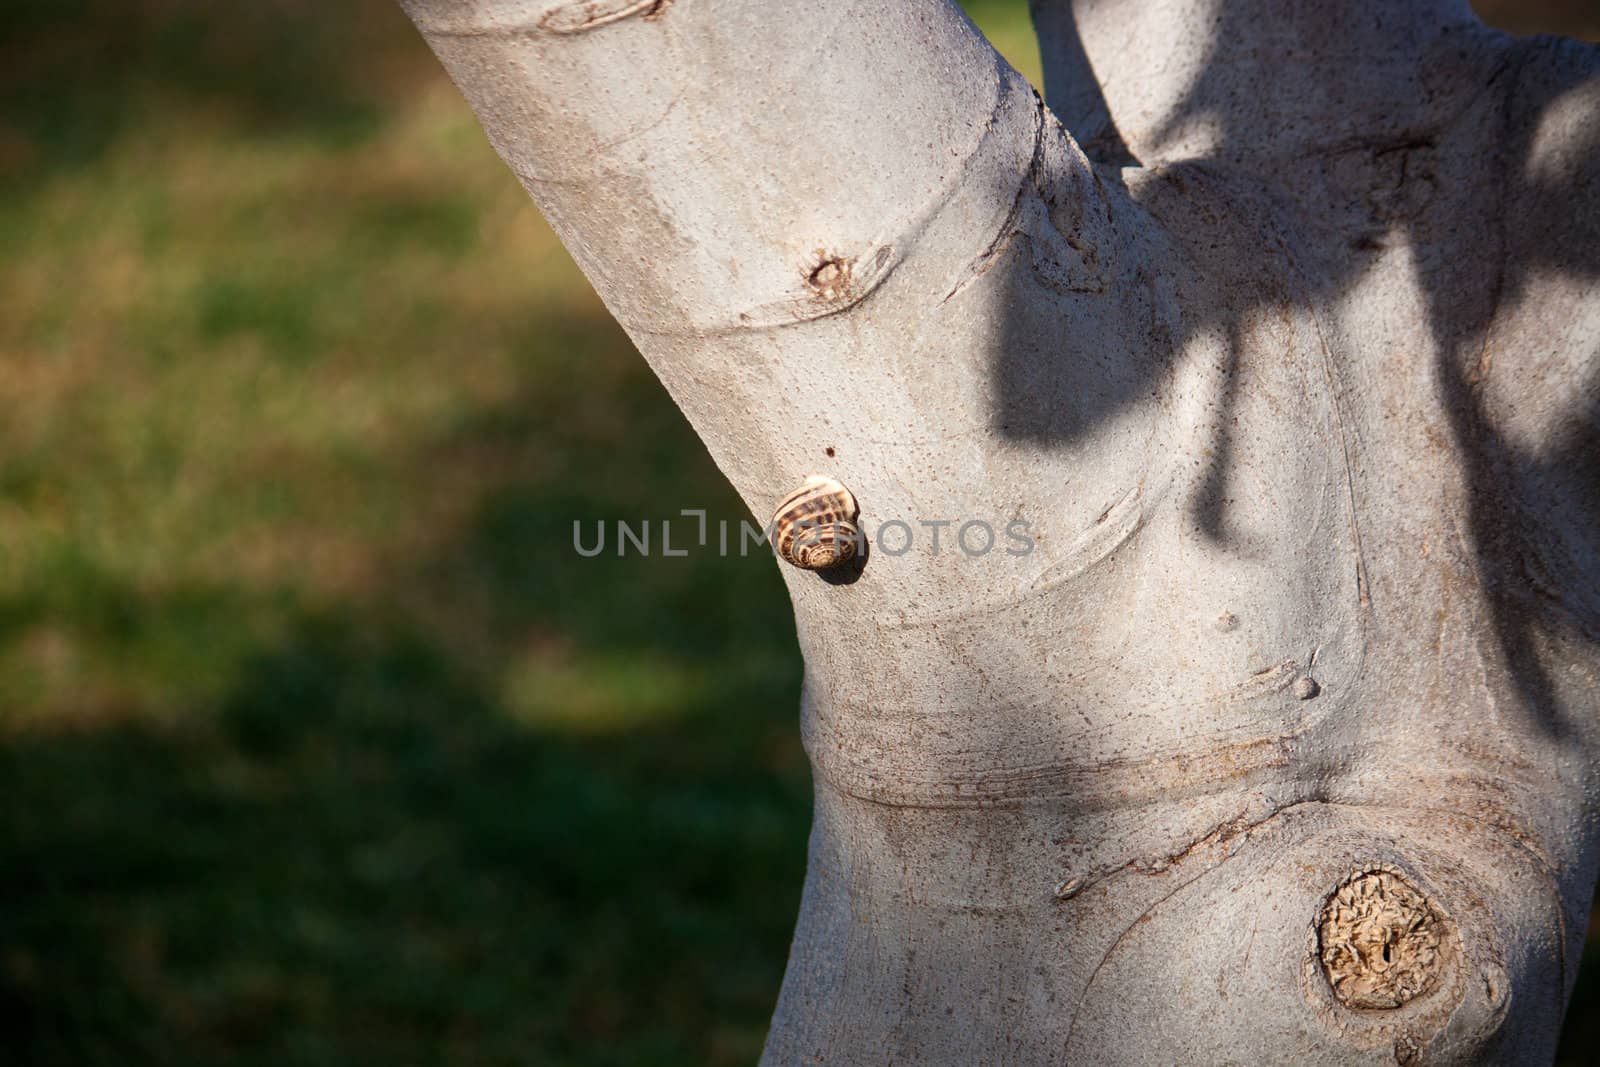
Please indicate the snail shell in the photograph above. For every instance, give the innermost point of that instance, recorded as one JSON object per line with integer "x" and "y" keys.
{"x": 814, "y": 527}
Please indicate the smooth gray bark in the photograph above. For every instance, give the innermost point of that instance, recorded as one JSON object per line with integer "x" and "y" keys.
{"x": 1293, "y": 375}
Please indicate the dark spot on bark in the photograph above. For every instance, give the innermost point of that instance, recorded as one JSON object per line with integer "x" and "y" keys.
{"x": 830, "y": 278}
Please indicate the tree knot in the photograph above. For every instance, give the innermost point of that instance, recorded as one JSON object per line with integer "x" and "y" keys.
{"x": 1379, "y": 941}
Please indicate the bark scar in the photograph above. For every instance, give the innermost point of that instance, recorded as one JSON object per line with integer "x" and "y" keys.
{"x": 1363, "y": 597}
{"x": 1225, "y": 834}
{"x": 1122, "y": 519}
{"x": 563, "y": 20}
{"x": 1058, "y": 259}
{"x": 586, "y": 15}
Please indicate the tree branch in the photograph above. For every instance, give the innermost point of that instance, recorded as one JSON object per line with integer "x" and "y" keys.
{"x": 1249, "y": 80}
{"x": 732, "y": 175}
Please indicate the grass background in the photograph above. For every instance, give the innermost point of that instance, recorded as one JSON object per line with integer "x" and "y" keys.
{"x": 316, "y": 745}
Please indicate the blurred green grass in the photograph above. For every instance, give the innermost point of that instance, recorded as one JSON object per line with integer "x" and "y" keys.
{"x": 317, "y": 744}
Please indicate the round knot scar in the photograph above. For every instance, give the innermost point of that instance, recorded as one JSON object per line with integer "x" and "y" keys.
{"x": 1379, "y": 941}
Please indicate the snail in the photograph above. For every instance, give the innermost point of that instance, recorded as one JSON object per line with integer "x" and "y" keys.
{"x": 814, "y": 527}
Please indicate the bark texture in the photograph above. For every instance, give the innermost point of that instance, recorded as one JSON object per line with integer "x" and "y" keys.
{"x": 1281, "y": 744}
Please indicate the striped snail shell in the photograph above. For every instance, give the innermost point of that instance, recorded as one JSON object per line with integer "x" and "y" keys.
{"x": 814, "y": 527}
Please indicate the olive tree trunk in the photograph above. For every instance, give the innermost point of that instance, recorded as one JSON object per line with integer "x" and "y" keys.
{"x": 1278, "y": 328}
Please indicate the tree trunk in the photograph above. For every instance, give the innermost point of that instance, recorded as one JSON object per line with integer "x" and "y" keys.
{"x": 1280, "y": 743}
